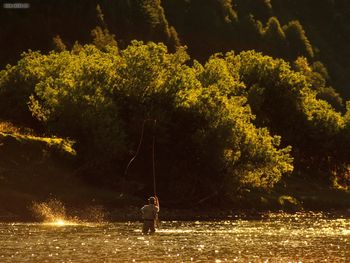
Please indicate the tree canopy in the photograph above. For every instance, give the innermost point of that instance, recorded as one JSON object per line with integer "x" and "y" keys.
{"x": 234, "y": 121}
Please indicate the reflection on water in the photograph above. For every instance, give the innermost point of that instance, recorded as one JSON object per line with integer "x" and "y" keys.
{"x": 278, "y": 238}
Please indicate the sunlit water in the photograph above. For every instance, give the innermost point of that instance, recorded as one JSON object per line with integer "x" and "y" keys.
{"x": 279, "y": 238}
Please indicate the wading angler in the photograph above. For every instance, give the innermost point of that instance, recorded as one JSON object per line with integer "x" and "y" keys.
{"x": 150, "y": 215}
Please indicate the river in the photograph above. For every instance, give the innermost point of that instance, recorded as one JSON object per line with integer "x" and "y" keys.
{"x": 275, "y": 238}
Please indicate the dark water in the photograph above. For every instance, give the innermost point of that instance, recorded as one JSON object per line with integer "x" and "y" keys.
{"x": 277, "y": 238}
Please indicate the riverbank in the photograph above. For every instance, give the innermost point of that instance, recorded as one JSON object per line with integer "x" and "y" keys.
{"x": 92, "y": 203}
{"x": 35, "y": 170}
{"x": 85, "y": 203}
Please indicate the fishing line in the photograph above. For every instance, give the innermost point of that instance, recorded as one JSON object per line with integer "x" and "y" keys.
{"x": 138, "y": 150}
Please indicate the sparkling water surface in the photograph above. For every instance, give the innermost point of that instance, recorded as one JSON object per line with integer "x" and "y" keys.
{"x": 276, "y": 238}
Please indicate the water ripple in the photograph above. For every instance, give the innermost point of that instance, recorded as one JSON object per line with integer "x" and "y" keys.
{"x": 273, "y": 239}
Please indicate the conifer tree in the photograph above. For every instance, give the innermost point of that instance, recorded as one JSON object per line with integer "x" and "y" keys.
{"x": 100, "y": 34}
{"x": 58, "y": 44}
{"x": 298, "y": 43}
{"x": 261, "y": 9}
{"x": 274, "y": 38}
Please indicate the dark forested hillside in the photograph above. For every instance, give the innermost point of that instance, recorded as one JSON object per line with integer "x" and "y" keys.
{"x": 35, "y": 28}
{"x": 327, "y": 24}
{"x": 286, "y": 29}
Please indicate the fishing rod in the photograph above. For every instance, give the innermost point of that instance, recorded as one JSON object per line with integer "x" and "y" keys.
{"x": 153, "y": 158}
{"x": 157, "y": 221}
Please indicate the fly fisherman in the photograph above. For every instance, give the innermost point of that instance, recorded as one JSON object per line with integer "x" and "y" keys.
{"x": 150, "y": 215}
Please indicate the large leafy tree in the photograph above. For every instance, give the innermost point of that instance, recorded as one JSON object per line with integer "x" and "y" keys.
{"x": 205, "y": 136}
{"x": 283, "y": 101}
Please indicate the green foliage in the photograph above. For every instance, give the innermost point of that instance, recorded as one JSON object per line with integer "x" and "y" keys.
{"x": 283, "y": 100}
{"x": 100, "y": 98}
{"x": 229, "y": 123}
{"x": 73, "y": 103}
{"x": 236, "y": 120}
{"x": 317, "y": 75}
{"x": 18, "y": 82}
{"x": 250, "y": 155}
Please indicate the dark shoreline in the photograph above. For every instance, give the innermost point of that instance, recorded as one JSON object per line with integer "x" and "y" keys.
{"x": 166, "y": 214}
{"x": 217, "y": 215}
